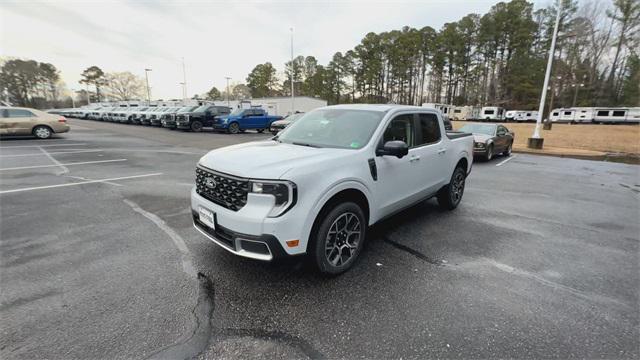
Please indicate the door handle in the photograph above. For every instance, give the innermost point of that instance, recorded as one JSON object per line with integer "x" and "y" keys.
{"x": 414, "y": 158}
{"x": 442, "y": 151}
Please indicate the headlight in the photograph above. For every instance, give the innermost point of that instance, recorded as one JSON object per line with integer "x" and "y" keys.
{"x": 224, "y": 121}
{"x": 479, "y": 145}
{"x": 284, "y": 193}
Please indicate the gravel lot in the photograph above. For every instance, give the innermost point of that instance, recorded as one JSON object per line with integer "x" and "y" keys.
{"x": 98, "y": 259}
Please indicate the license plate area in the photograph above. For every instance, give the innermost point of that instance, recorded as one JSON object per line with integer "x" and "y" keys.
{"x": 207, "y": 217}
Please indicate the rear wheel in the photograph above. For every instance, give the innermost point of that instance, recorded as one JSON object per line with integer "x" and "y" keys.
{"x": 196, "y": 126}
{"x": 339, "y": 238}
{"x": 450, "y": 196}
{"x": 42, "y": 132}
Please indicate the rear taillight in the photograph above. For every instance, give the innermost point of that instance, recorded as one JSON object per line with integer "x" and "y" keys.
{"x": 62, "y": 119}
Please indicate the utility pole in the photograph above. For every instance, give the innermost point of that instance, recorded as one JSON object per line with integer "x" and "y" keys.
{"x": 184, "y": 80}
{"x": 146, "y": 75}
{"x": 293, "y": 96}
{"x": 535, "y": 141}
{"x": 228, "y": 78}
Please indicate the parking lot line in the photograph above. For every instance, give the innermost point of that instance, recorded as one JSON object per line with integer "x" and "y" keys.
{"x": 24, "y": 146}
{"x": 53, "y": 160}
{"x": 78, "y": 183}
{"x": 63, "y": 164}
{"x": 507, "y": 159}
{"x": 52, "y": 153}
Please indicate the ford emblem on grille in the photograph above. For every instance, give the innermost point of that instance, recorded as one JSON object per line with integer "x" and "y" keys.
{"x": 210, "y": 183}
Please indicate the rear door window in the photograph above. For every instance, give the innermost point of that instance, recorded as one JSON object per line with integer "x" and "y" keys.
{"x": 618, "y": 113}
{"x": 603, "y": 113}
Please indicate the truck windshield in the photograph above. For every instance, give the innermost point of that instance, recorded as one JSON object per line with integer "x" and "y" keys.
{"x": 201, "y": 108}
{"x": 334, "y": 128}
{"x": 479, "y": 129}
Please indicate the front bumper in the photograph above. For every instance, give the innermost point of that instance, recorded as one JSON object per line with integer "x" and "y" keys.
{"x": 156, "y": 122}
{"x": 183, "y": 125}
{"x": 168, "y": 123}
{"x": 249, "y": 232}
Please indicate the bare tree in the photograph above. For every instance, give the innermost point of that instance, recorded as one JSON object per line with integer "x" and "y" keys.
{"x": 124, "y": 86}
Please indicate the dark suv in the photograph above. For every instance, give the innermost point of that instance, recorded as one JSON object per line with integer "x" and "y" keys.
{"x": 200, "y": 117}
{"x": 169, "y": 120}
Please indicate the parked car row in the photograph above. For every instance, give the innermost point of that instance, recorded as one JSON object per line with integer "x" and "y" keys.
{"x": 188, "y": 118}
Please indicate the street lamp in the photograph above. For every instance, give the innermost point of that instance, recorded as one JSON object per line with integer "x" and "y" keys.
{"x": 184, "y": 81}
{"x": 535, "y": 141}
{"x": 293, "y": 96}
{"x": 146, "y": 75}
{"x": 228, "y": 78}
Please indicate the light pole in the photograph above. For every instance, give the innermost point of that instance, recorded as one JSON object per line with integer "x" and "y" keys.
{"x": 293, "y": 96}
{"x": 146, "y": 75}
{"x": 73, "y": 102}
{"x": 184, "y": 81}
{"x": 88, "y": 95}
{"x": 228, "y": 78}
{"x": 535, "y": 141}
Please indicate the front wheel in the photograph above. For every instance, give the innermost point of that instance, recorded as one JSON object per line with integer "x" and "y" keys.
{"x": 489, "y": 155}
{"x": 260, "y": 131}
{"x": 196, "y": 126}
{"x": 42, "y": 132}
{"x": 234, "y": 128}
{"x": 449, "y": 196}
{"x": 339, "y": 238}
{"x": 507, "y": 152}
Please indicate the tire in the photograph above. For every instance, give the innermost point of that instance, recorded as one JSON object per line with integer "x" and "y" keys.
{"x": 196, "y": 126}
{"x": 333, "y": 254}
{"x": 274, "y": 133}
{"x": 234, "y": 128}
{"x": 450, "y": 196}
{"x": 260, "y": 131}
{"x": 42, "y": 132}
{"x": 507, "y": 152}
{"x": 489, "y": 155}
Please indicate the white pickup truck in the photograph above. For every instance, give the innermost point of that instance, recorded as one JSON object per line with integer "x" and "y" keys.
{"x": 317, "y": 186}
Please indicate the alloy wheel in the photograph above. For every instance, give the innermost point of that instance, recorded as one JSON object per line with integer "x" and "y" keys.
{"x": 342, "y": 239}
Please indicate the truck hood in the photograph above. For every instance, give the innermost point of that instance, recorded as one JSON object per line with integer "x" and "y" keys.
{"x": 264, "y": 159}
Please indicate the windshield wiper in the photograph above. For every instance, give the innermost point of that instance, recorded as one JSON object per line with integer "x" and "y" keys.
{"x": 306, "y": 144}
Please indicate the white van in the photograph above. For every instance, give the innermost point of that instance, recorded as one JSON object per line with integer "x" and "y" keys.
{"x": 494, "y": 113}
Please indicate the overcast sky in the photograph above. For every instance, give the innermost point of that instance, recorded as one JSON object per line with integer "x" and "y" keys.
{"x": 216, "y": 39}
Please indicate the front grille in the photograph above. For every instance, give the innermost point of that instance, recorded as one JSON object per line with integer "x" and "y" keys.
{"x": 229, "y": 192}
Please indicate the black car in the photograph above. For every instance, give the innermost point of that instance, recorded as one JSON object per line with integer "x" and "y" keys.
{"x": 489, "y": 139}
{"x": 169, "y": 120}
{"x": 200, "y": 117}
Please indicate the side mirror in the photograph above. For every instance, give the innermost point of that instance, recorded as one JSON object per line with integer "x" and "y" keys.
{"x": 395, "y": 148}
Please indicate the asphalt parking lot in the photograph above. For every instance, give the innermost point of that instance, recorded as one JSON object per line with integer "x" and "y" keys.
{"x": 99, "y": 259}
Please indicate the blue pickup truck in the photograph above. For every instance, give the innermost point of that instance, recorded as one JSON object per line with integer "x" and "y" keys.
{"x": 243, "y": 119}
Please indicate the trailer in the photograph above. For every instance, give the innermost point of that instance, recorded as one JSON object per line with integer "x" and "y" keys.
{"x": 492, "y": 113}
{"x": 521, "y": 115}
{"x": 597, "y": 115}
{"x": 445, "y": 109}
{"x": 465, "y": 113}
